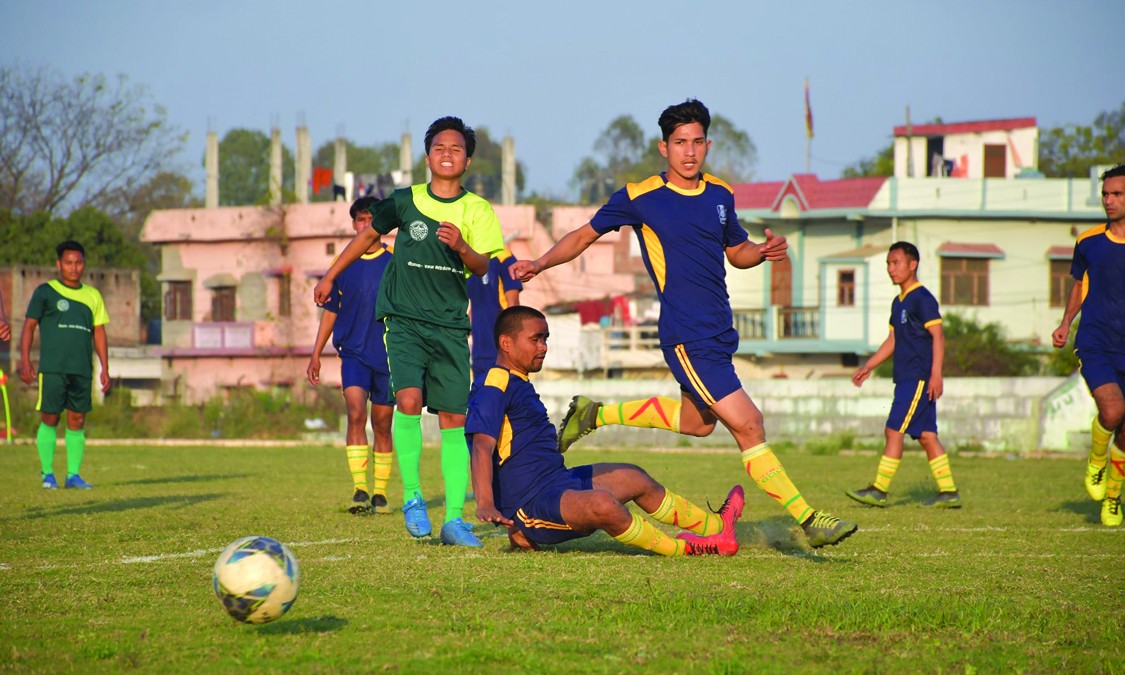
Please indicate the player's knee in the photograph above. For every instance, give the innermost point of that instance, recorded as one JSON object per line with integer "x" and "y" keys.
{"x": 610, "y": 513}
{"x": 750, "y": 424}
{"x": 699, "y": 429}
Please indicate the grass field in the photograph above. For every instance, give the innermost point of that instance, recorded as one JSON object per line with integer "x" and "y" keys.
{"x": 1024, "y": 578}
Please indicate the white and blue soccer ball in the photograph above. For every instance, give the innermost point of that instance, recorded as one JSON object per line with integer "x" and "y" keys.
{"x": 256, "y": 579}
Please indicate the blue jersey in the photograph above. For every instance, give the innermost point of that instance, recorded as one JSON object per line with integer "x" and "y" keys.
{"x": 912, "y": 314}
{"x": 1099, "y": 264}
{"x": 358, "y": 333}
{"x": 487, "y": 299}
{"x": 683, "y": 235}
{"x": 504, "y": 405}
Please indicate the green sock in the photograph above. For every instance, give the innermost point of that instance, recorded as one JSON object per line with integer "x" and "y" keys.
{"x": 45, "y": 440}
{"x": 75, "y": 448}
{"x": 455, "y": 471}
{"x": 407, "y": 433}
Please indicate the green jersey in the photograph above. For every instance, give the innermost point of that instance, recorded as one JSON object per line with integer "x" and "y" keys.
{"x": 67, "y": 317}
{"x": 426, "y": 280}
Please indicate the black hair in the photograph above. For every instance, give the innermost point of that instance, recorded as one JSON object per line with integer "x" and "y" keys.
{"x": 70, "y": 245}
{"x": 454, "y": 123}
{"x": 510, "y": 321}
{"x": 908, "y": 249}
{"x": 1115, "y": 172}
{"x": 362, "y": 204}
{"x": 687, "y": 112}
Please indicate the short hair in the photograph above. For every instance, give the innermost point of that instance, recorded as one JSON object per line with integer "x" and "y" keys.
{"x": 69, "y": 245}
{"x": 454, "y": 123}
{"x": 687, "y": 112}
{"x": 510, "y": 321}
{"x": 362, "y": 204}
{"x": 1115, "y": 172}
{"x": 908, "y": 249}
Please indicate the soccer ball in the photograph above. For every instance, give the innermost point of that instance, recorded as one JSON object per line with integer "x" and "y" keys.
{"x": 256, "y": 579}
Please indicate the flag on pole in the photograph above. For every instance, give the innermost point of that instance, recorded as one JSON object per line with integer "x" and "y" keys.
{"x": 808, "y": 110}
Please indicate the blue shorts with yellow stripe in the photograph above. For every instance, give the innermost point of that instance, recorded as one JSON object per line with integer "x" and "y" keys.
{"x": 541, "y": 519}
{"x": 912, "y": 411}
{"x": 1100, "y": 368}
{"x": 705, "y": 368}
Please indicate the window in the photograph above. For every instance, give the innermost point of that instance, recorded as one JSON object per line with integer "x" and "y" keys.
{"x": 1060, "y": 282}
{"x": 964, "y": 281}
{"x": 995, "y": 161}
{"x": 330, "y": 248}
{"x": 284, "y": 304}
{"x": 222, "y": 303}
{"x": 177, "y": 301}
{"x": 845, "y": 288}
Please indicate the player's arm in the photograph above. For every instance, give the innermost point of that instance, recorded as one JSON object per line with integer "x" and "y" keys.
{"x": 101, "y": 348}
{"x": 1073, "y": 306}
{"x": 513, "y": 297}
{"x": 937, "y": 386}
{"x": 27, "y": 374}
{"x": 566, "y": 249}
{"x": 748, "y": 254}
{"x": 327, "y": 322}
{"x": 483, "y": 447}
{"x": 881, "y": 354}
{"x": 359, "y": 244}
{"x": 450, "y": 235}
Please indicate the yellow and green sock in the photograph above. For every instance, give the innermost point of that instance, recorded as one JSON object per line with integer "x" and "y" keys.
{"x": 1100, "y": 443}
{"x": 770, "y": 476}
{"x": 1116, "y": 474}
{"x": 357, "y": 464}
{"x": 383, "y": 462}
{"x": 658, "y": 412}
{"x": 886, "y": 472}
{"x": 643, "y": 534}
{"x": 677, "y": 511}
{"x": 943, "y": 475}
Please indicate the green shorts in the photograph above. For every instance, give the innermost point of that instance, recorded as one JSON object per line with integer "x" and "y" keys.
{"x": 58, "y": 392}
{"x": 432, "y": 358}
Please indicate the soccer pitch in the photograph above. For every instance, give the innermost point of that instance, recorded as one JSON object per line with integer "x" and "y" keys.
{"x": 1023, "y": 578}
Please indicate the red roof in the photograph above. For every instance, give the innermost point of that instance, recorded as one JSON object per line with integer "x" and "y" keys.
{"x": 967, "y": 127}
{"x": 755, "y": 195}
{"x": 955, "y": 249}
{"x": 810, "y": 192}
{"x": 1060, "y": 253}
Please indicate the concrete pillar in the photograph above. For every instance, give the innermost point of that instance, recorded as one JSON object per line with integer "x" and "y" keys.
{"x": 304, "y": 164}
{"x": 211, "y": 165}
{"x": 508, "y": 171}
{"x": 339, "y": 172}
{"x": 275, "y": 167}
{"x": 406, "y": 158}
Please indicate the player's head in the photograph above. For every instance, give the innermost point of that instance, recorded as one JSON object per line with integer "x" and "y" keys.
{"x": 902, "y": 262}
{"x": 71, "y": 262}
{"x": 449, "y": 147}
{"x": 1113, "y": 193}
{"x": 687, "y": 112}
{"x": 520, "y": 334}
{"x": 685, "y": 143}
{"x": 360, "y": 213}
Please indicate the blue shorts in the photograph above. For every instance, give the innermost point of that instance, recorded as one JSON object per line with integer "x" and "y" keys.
{"x": 355, "y": 373}
{"x": 705, "y": 368}
{"x": 912, "y": 411}
{"x": 541, "y": 519}
{"x": 1100, "y": 368}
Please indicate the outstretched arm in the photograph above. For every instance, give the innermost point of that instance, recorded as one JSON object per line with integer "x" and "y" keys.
{"x": 483, "y": 446}
{"x": 748, "y": 254}
{"x": 884, "y": 352}
{"x": 359, "y": 244}
{"x": 566, "y": 249}
{"x": 1073, "y": 305}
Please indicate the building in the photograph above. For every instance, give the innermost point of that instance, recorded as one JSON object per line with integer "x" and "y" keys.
{"x": 978, "y": 149}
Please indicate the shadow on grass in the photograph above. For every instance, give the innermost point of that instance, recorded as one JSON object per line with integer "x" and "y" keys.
{"x": 184, "y": 479}
{"x": 1083, "y": 507}
{"x": 177, "y": 501}
{"x": 315, "y": 624}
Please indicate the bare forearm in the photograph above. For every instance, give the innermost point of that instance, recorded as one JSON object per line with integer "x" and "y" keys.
{"x": 569, "y": 247}
{"x": 482, "y": 469}
{"x": 101, "y": 347}
{"x": 476, "y": 263}
{"x": 939, "y": 353}
{"x": 352, "y": 252}
{"x": 884, "y": 352}
{"x": 1073, "y": 304}
{"x": 327, "y": 323}
{"x": 26, "y": 338}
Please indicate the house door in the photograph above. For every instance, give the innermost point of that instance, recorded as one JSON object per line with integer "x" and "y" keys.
{"x": 994, "y": 161}
{"x": 781, "y": 283}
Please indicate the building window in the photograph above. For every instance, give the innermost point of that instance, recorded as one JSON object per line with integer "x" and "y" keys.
{"x": 1060, "y": 282}
{"x": 995, "y": 161}
{"x": 284, "y": 304}
{"x": 222, "y": 303}
{"x": 964, "y": 281}
{"x": 845, "y": 288}
{"x": 330, "y": 248}
{"x": 177, "y": 301}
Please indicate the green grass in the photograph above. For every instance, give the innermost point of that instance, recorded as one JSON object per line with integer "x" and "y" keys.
{"x": 1023, "y": 579}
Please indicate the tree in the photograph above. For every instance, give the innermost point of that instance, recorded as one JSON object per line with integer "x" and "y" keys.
{"x": 244, "y": 168}
{"x": 733, "y": 155}
{"x": 381, "y": 158}
{"x": 1071, "y": 151}
{"x": 882, "y": 164}
{"x": 65, "y": 144}
{"x": 973, "y": 350}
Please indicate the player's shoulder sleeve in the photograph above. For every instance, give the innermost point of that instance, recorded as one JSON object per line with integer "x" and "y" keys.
{"x": 620, "y": 211}
{"x": 37, "y": 305}
{"x": 505, "y": 271}
{"x": 1079, "y": 262}
{"x": 927, "y": 308}
{"x": 733, "y": 233}
{"x": 481, "y": 229}
{"x": 386, "y": 214}
{"x": 488, "y": 404}
{"x": 97, "y": 307}
{"x": 708, "y": 178}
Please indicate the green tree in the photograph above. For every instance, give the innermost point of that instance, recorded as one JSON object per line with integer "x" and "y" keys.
{"x": 378, "y": 159}
{"x": 1064, "y": 361}
{"x": 733, "y": 155}
{"x": 882, "y": 164}
{"x": 244, "y": 168}
{"x": 1071, "y": 151}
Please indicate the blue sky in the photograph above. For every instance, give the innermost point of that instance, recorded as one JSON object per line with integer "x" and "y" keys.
{"x": 553, "y": 75}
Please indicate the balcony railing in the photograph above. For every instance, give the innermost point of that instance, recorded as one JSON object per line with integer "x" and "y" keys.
{"x": 798, "y": 322}
{"x": 780, "y": 323}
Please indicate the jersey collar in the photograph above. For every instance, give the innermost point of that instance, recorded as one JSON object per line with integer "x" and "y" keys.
{"x": 902, "y": 296}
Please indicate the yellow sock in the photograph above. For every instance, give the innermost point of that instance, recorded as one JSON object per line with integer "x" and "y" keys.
{"x": 768, "y": 473}
{"x": 643, "y": 534}
{"x": 357, "y": 464}
{"x": 1116, "y": 473}
{"x": 658, "y": 412}
{"x": 677, "y": 511}
{"x": 886, "y": 472}
{"x": 383, "y": 463}
{"x": 1101, "y": 437}
{"x": 939, "y": 466}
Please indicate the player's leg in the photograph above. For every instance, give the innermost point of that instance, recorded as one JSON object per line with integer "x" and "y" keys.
{"x": 447, "y": 391}
{"x": 947, "y": 497}
{"x": 355, "y": 439}
{"x": 50, "y": 406}
{"x": 875, "y": 494}
{"x": 75, "y": 441}
{"x": 657, "y": 412}
{"x": 1099, "y": 370}
{"x": 383, "y": 455}
{"x": 407, "y": 358}
{"x": 1111, "y": 408}
{"x": 631, "y": 483}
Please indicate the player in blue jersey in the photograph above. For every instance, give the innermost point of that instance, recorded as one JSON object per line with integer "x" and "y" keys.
{"x": 687, "y": 228}
{"x": 917, "y": 343}
{"x": 1098, "y": 268}
{"x": 488, "y": 296}
{"x": 521, "y": 481}
{"x": 357, "y": 334}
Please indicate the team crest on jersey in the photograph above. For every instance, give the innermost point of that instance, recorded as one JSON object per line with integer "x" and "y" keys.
{"x": 903, "y": 320}
{"x": 722, "y": 209}
{"x": 418, "y": 230}
{"x": 62, "y": 305}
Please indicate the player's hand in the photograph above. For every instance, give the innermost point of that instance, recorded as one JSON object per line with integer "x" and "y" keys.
{"x": 937, "y": 387}
{"x": 313, "y": 371}
{"x": 450, "y": 235}
{"x": 525, "y": 270}
{"x": 5, "y": 331}
{"x": 860, "y": 376}
{"x": 322, "y": 291}
{"x": 489, "y": 514}
{"x": 1060, "y": 336}
{"x": 27, "y": 374}
{"x": 106, "y": 381}
{"x": 774, "y": 249}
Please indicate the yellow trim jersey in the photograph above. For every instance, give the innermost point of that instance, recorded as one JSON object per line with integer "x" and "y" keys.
{"x": 912, "y": 314}
{"x": 425, "y": 280}
{"x": 1099, "y": 265}
{"x": 67, "y": 317}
